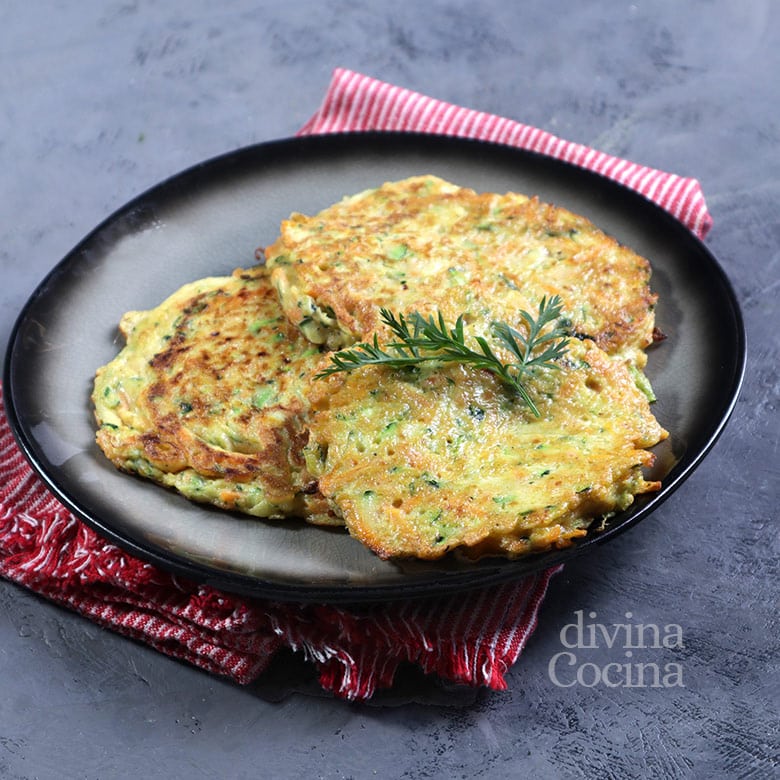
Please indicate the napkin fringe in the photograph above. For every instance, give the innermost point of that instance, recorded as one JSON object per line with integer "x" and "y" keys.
{"x": 473, "y": 647}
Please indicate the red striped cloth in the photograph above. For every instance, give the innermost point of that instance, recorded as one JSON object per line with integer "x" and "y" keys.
{"x": 354, "y": 101}
{"x": 471, "y": 638}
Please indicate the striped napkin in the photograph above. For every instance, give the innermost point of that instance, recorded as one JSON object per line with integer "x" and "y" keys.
{"x": 470, "y": 639}
{"x": 357, "y": 102}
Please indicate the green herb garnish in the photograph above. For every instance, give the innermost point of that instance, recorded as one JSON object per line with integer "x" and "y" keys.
{"x": 429, "y": 339}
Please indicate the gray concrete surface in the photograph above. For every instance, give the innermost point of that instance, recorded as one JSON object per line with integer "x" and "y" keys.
{"x": 100, "y": 100}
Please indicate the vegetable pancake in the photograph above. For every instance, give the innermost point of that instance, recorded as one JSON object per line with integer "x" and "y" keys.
{"x": 425, "y": 460}
{"x": 425, "y": 244}
{"x": 206, "y": 397}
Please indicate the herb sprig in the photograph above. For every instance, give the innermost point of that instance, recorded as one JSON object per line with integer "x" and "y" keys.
{"x": 430, "y": 339}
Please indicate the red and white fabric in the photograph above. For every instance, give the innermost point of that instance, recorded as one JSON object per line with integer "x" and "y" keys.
{"x": 472, "y": 638}
{"x": 357, "y": 102}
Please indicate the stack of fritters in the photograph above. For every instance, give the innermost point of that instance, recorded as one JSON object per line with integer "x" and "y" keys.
{"x": 215, "y": 393}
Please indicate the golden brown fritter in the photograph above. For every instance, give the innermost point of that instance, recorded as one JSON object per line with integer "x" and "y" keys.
{"x": 424, "y": 244}
{"x": 207, "y": 395}
{"x": 425, "y": 461}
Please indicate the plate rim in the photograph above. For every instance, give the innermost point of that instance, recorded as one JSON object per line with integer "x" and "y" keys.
{"x": 435, "y": 583}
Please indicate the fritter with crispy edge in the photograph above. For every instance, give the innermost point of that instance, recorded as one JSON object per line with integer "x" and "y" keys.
{"x": 422, "y": 461}
{"x": 206, "y": 397}
{"x": 424, "y": 244}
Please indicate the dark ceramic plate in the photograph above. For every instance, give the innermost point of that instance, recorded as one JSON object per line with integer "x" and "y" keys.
{"x": 209, "y": 220}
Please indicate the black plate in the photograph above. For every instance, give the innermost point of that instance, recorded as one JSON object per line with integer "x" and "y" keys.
{"x": 209, "y": 220}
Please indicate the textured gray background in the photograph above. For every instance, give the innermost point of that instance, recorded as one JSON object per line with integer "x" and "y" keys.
{"x": 100, "y": 100}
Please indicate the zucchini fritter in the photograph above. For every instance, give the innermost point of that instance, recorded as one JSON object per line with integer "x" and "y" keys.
{"x": 206, "y": 396}
{"x": 424, "y": 244}
{"x": 420, "y": 462}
